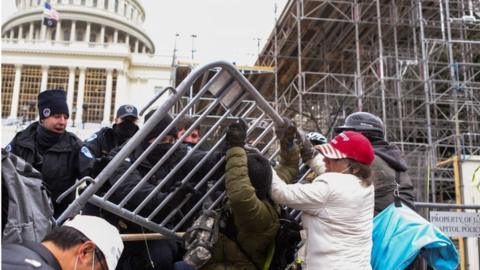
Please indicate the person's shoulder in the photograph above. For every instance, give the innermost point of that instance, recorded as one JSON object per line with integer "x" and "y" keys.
{"x": 103, "y": 133}
{"x": 19, "y": 257}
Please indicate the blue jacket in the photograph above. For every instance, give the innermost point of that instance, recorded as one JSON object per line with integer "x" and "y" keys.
{"x": 400, "y": 234}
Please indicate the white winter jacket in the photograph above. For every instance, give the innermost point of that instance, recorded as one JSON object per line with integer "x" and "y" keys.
{"x": 337, "y": 217}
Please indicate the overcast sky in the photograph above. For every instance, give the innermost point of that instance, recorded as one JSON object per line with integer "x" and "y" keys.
{"x": 225, "y": 29}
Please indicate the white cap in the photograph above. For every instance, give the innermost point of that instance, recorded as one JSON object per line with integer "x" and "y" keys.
{"x": 105, "y": 236}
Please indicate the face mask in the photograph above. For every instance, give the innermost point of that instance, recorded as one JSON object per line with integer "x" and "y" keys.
{"x": 124, "y": 131}
{"x": 158, "y": 152}
{"x": 93, "y": 261}
{"x": 47, "y": 137}
{"x": 347, "y": 170}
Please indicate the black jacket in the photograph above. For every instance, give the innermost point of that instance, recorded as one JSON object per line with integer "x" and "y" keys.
{"x": 61, "y": 165}
{"x": 101, "y": 142}
{"x": 388, "y": 161}
{"x": 29, "y": 255}
{"x": 145, "y": 166}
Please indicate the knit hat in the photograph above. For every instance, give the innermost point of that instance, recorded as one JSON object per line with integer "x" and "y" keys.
{"x": 260, "y": 174}
{"x": 349, "y": 144}
{"x": 126, "y": 111}
{"x": 105, "y": 236}
{"x": 51, "y": 102}
{"x": 161, "y": 126}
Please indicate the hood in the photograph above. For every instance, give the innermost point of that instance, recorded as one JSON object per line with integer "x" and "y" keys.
{"x": 391, "y": 154}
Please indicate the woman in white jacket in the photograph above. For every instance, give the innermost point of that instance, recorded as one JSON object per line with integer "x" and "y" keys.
{"x": 337, "y": 206}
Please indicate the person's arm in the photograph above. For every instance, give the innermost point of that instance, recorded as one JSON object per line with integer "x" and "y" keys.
{"x": 317, "y": 164}
{"x": 287, "y": 169}
{"x": 132, "y": 181}
{"x": 305, "y": 197}
{"x": 251, "y": 213}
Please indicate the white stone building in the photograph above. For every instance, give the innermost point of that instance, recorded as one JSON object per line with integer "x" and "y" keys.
{"x": 98, "y": 53}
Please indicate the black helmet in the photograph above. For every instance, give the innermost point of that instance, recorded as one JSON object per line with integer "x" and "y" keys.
{"x": 362, "y": 121}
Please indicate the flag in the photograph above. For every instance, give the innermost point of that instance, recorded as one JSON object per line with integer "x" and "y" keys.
{"x": 51, "y": 16}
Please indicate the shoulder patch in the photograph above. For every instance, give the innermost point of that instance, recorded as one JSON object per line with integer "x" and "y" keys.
{"x": 92, "y": 137}
{"x": 86, "y": 152}
{"x": 34, "y": 263}
{"x": 8, "y": 148}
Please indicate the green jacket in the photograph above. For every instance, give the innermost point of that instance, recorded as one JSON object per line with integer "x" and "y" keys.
{"x": 256, "y": 220}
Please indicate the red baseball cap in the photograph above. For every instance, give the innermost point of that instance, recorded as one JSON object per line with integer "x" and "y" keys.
{"x": 349, "y": 144}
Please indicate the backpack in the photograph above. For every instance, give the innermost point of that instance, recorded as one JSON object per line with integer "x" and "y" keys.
{"x": 200, "y": 238}
{"x": 27, "y": 211}
{"x": 283, "y": 251}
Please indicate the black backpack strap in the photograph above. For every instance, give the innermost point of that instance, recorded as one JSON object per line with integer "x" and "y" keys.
{"x": 44, "y": 253}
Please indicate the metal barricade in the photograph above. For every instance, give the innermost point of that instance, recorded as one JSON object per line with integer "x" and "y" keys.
{"x": 226, "y": 91}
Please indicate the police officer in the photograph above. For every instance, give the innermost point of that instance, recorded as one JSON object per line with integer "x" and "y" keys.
{"x": 102, "y": 142}
{"x": 59, "y": 155}
{"x": 388, "y": 166}
{"x": 86, "y": 242}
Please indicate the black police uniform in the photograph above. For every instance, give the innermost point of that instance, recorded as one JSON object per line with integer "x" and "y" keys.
{"x": 61, "y": 165}
{"x": 27, "y": 256}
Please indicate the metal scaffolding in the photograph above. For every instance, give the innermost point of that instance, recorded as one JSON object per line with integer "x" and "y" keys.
{"x": 415, "y": 63}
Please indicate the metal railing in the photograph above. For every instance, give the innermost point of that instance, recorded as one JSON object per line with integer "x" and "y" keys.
{"x": 225, "y": 91}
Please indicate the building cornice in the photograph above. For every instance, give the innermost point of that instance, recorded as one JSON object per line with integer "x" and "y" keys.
{"x": 83, "y": 14}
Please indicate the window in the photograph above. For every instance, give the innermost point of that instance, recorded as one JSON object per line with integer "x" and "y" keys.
{"x": 80, "y": 35}
{"x": 66, "y": 35}
{"x": 95, "y": 3}
{"x": 8, "y": 79}
{"x": 116, "y": 6}
{"x": 57, "y": 78}
{"x": 105, "y": 4}
{"x": 29, "y": 90}
{"x": 94, "y": 99}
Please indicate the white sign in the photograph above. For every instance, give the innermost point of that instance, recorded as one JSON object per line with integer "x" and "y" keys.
{"x": 457, "y": 223}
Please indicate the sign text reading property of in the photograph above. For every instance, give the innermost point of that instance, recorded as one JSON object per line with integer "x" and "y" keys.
{"x": 457, "y": 223}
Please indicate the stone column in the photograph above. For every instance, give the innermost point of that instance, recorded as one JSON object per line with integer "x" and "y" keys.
{"x": 71, "y": 87}
{"x": 16, "y": 92}
{"x": 111, "y": 5}
{"x": 87, "y": 32}
{"x": 58, "y": 31}
{"x": 108, "y": 98}
{"x": 120, "y": 95}
{"x": 12, "y": 34}
{"x": 115, "y": 36}
{"x": 20, "y": 32}
{"x": 135, "y": 50}
{"x": 30, "y": 31}
{"x": 120, "y": 7}
{"x": 73, "y": 31}
{"x": 80, "y": 97}
{"x": 43, "y": 83}
{"x": 43, "y": 31}
{"x": 102, "y": 34}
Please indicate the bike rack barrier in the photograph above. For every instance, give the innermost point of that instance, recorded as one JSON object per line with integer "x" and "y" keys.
{"x": 226, "y": 92}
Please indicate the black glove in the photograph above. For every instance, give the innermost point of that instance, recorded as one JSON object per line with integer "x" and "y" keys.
{"x": 99, "y": 164}
{"x": 286, "y": 133}
{"x": 236, "y": 134}
{"x": 182, "y": 190}
{"x": 307, "y": 151}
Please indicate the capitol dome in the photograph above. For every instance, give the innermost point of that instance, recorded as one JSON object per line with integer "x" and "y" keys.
{"x": 98, "y": 52}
